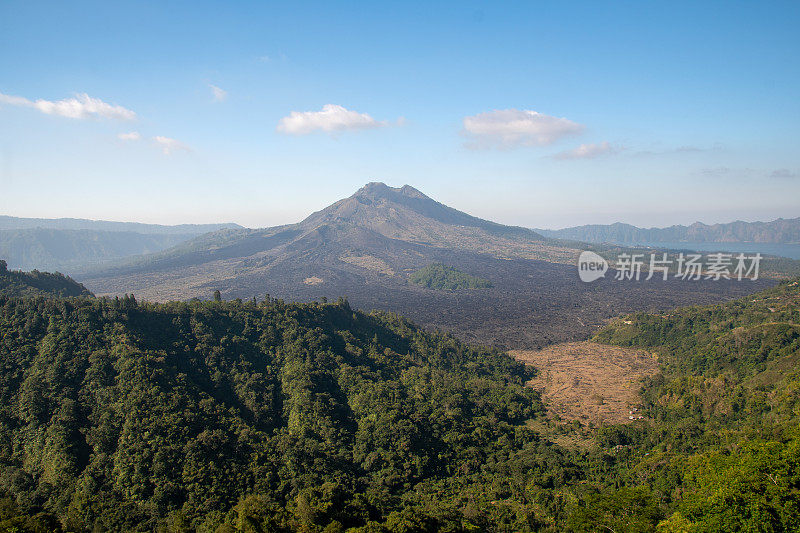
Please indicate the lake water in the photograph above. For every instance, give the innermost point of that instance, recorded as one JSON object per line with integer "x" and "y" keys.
{"x": 792, "y": 251}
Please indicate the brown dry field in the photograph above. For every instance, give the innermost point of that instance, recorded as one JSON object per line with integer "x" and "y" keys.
{"x": 589, "y": 382}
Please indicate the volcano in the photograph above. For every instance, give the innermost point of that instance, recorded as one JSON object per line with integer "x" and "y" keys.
{"x": 366, "y": 246}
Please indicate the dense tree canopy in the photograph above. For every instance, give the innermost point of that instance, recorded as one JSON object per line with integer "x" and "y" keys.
{"x": 443, "y": 277}
{"x": 265, "y": 416}
{"x": 723, "y": 439}
{"x": 120, "y": 415}
{"x": 35, "y": 283}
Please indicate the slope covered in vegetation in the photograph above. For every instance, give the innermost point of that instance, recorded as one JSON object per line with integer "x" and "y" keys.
{"x": 242, "y": 416}
{"x": 723, "y": 440}
{"x": 446, "y": 278}
{"x": 35, "y": 283}
{"x": 117, "y": 415}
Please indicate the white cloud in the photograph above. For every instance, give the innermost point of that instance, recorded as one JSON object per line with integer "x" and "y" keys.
{"x": 220, "y": 95}
{"x": 80, "y": 106}
{"x": 168, "y": 146}
{"x": 131, "y": 136}
{"x": 589, "y": 151}
{"x": 507, "y": 128}
{"x": 332, "y": 118}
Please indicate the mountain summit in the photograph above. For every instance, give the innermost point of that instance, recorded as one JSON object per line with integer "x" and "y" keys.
{"x": 407, "y": 214}
{"x": 377, "y": 189}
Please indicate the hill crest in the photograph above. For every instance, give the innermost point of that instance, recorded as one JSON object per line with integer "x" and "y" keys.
{"x": 781, "y": 230}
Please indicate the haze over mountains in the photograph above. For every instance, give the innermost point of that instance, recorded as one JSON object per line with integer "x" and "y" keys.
{"x": 785, "y": 231}
{"x": 366, "y": 246}
{"x": 72, "y": 244}
{"x": 79, "y": 246}
{"x": 9, "y": 223}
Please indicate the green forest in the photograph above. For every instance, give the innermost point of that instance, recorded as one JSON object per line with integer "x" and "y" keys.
{"x": 724, "y": 440}
{"x": 260, "y": 416}
{"x": 446, "y": 278}
{"x": 35, "y": 283}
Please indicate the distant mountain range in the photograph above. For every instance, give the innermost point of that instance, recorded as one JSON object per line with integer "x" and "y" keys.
{"x": 7, "y": 223}
{"x": 367, "y": 246}
{"x": 76, "y": 244}
{"x": 786, "y": 231}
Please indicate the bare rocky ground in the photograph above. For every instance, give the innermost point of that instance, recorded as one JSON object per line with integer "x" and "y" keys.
{"x": 590, "y": 382}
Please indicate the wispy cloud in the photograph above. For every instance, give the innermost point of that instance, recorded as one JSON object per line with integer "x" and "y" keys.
{"x": 589, "y": 151}
{"x": 713, "y": 172}
{"x": 691, "y": 149}
{"x": 169, "y": 146}
{"x": 509, "y": 128}
{"x": 722, "y": 172}
{"x": 784, "y": 173}
{"x": 130, "y": 136}
{"x": 331, "y": 119}
{"x": 270, "y": 58}
{"x": 80, "y": 106}
{"x": 684, "y": 149}
{"x": 220, "y": 95}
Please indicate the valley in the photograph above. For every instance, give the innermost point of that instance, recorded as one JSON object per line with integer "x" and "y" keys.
{"x": 366, "y": 246}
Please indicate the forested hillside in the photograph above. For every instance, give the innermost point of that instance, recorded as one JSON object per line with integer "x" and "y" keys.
{"x": 35, "y": 283}
{"x": 117, "y": 415}
{"x": 723, "y": 437}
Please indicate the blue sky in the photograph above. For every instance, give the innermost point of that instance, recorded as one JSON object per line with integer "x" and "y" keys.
{"x": 543, "y": 114}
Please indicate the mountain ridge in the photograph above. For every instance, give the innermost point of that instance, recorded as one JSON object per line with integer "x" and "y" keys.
{"x": 376, "y": 195}
{"x": 9, "y": 223}
{"x": 71, "y": 244}
{"x": 67, "y": 249}
{"x": 373, "y": 213}
{"x": 781, "y": 230}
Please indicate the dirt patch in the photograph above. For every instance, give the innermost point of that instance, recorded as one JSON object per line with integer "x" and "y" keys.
{"x": 590, "y": 382}
{"x": 313, "y": 280}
